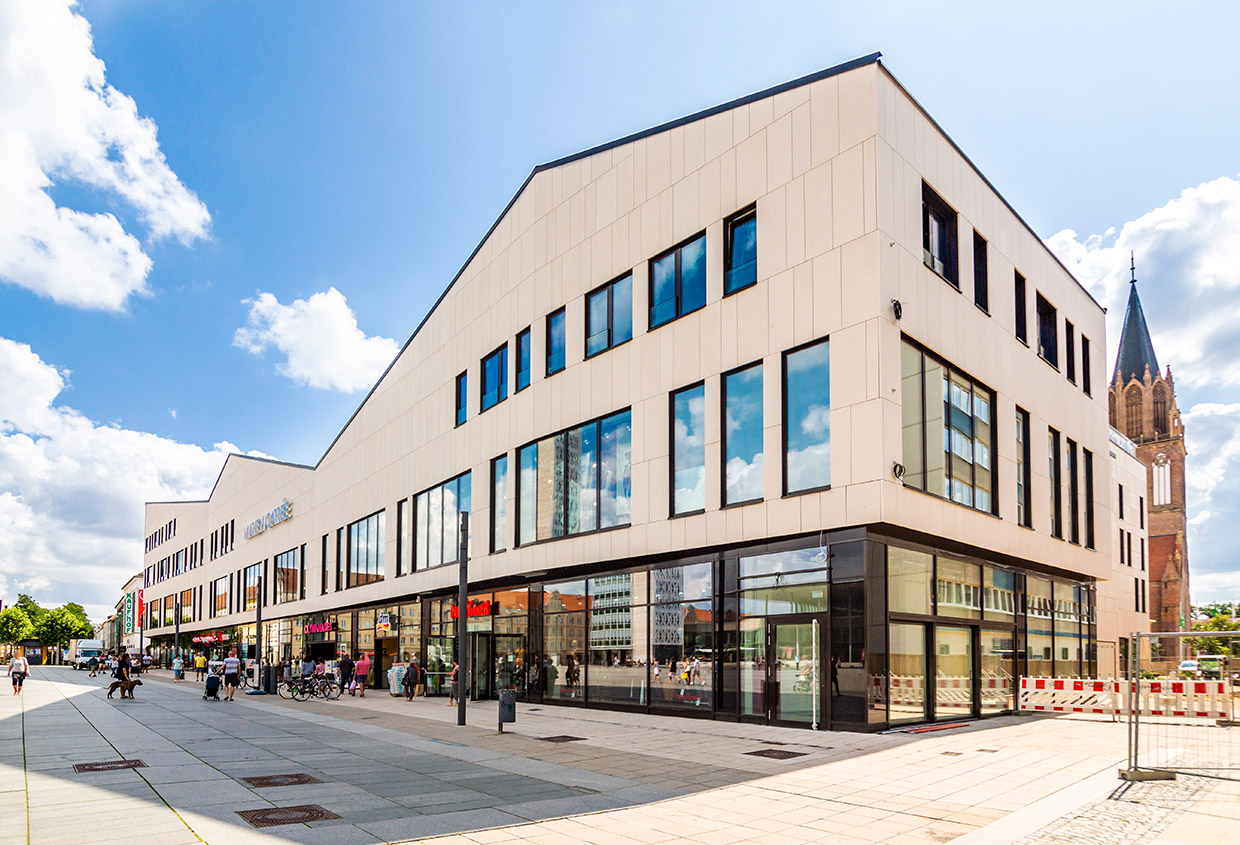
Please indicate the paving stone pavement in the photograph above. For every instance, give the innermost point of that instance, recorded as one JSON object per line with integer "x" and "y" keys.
{"x": 403, "y": 771}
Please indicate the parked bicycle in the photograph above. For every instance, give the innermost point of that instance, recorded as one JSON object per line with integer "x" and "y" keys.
{"x": 309, "y": 686}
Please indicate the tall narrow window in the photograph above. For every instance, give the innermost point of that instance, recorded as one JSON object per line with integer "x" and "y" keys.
{"x": 364, "y": 553}
{"x": 1022, "y": 309}
{"x": 678, "y": 282}
{"x": 1141, "y": 511}
{"x": 1024, "y": 505}
{"x": 495, "y": 378}
{"x": 1074, "y": 495}
{"x": 981, "y": 274}
{"x": 913, "y": 416}
{"x": 462, "y": 398}
{"x": 523, "y": 360}
{"x": 1069, "y": 347}
{"x": 1048, "y": 332}
{"x": 938, "y": 235}
{"x": 807, "y": 418}
{"x": 740, "y": 254}
{"x": 555, "y": 341}
{"x": 251, "y": 584}
{"x": 1142, "y": 541}
{"x": 403, "y": 530}
{"x": 499, "y": 503}
{"x": 743, "y": 466}
{"x": 689, "y": 450}
{"x": 609, "y": 316}
{"x": 527, "y": 498}
{"x": 1121, "y": 501}
{"x": 1089, "y": 498}
{"x": 1054, "y": 472}
{"x": 437, "y": 540}
{"x": 1086, "y": 384}
{"x": 288, "y": 568}
{"x": 323, "y": 571}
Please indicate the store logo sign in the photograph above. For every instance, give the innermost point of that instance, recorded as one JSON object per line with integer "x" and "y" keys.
{"x": 383, "y": 623}
{"x": 476, "y": 607}
{"x": 128, "y": 613}
{"x": 281, "y": 513}
{"x": 320, "y": 628}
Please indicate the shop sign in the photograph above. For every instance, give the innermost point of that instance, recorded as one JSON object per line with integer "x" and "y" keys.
{"x": 211, "y": 638}
{"x": 319, "y": 628}
{"x": 281, "y": 513}
{"x": 383, "y": 622}
{"x": 129, "y": 597}
{"x": 476, "y": 607}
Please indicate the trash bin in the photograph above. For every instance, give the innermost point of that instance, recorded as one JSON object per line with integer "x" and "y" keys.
{"x": 507, "y": 707}
{"x": 271, "y": 677}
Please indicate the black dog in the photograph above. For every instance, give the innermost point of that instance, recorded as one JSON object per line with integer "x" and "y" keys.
{"x": 126, "y": 687}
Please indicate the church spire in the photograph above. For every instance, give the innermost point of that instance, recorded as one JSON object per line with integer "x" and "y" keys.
{"x": 1136, "y": 350}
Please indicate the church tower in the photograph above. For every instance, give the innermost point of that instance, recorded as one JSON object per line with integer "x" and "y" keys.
{"x": 1143, "y": 407}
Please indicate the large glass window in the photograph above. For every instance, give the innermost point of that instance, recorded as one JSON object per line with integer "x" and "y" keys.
{"x": 807, "y": 418}
{"x": 219, "y": 596}
{"x": 1039, "y": 610}
{"x": 959, "y": 590}
{"x": 438, "y": 539}
{"x": 462, "y": 398}
{"x": 576, "y": 481}
{"x": 288, "y": 568}
{"x": 365, "y": 550}
{"x": 619, "y": 640}
{"x": 908, "y": 580}
{"x": 743, "y": 465}
{"x": 556, "y": 326}
{"x": 938, "y": 235}
{"x": 689, "y": 450}
{"x": 495, "y": 377}
{"x": 907, "y": 656}
{"x": 499, "y": 503}
{"x": 938, "y": 399}
{"x": 250, "y": 583}
{"x": 740, "y": 256}
{"x": 566, "y": 614}
{"x": 1000, "y": 595}
{"x": 682, "y": 637}
{"x": 523, "y": 360}
{"x": 609, "y": 316}
{"x": 678, "y": 282}
{"x": 187, "y": 606}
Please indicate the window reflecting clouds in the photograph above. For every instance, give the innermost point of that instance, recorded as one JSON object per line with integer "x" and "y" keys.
{"x": 743, "y": 460}
{"x": 807, "y": 417}
{"x": 689, "y": 450}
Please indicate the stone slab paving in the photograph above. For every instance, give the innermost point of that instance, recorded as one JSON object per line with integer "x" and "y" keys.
{"x": 403, "y": 771}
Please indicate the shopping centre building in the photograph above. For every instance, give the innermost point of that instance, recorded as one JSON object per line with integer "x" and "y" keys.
{"x": 777, "y": 412}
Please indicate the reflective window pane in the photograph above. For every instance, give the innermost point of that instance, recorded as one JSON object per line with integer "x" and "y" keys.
{"x": 693, "y": 275}
{"x": 689, "y": 450}
{"x": 523, "y": 360}
{"x": 742, "y": 435}
{"x": 907, "y": 681}
{"x": 908, "y": 580}
{"x": 616, "y": 476}
{"x": 807, "y": 417}
{"x": 596, "y": 323}
{"x": 622, "y": 311}
{"x": 663, "y": 290}
{"x": 582, "y": 457}
{"x": 742, "y": 253}
{"x": 499, "y": 503}
{"x": 958, "y": 588}
{"x": 527, "y": 488}
{"x": 555, "y": 342}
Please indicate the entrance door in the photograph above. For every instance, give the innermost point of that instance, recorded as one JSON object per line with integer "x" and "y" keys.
{"x": 794, "y": 679}
{"x": 481, "y": 667}
{"x": 385, "y": 655}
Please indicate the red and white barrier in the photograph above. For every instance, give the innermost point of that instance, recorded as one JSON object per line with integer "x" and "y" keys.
{"x": 1188, "y": 699}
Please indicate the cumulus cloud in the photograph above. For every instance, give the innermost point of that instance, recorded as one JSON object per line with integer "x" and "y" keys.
{"x": 62, "y": 123}
{"x": 72, "y": 490}
{"x": 1188, "y": 268}
{"x": 322, "y": 345}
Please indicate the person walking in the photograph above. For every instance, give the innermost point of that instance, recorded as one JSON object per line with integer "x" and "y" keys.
{"x": 122, "y": 673}
{"x": 178, "y": 669}
{"x": 232, "y": 674}
{"x": 362, "y": 673}
{"x": 200, "y": 666}
{"x": 93, "y": 663}
{"x": 19, "y": 668}
{"x": 346, "y": 674}
{"x": 413, "y": 674}
{"x": 453, "y": 680}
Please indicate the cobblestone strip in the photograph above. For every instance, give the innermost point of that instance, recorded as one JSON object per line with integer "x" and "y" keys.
{"x": 1134, "y": 812}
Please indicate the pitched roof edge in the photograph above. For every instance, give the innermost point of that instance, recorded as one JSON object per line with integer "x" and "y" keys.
{"x": 228, "y": 457}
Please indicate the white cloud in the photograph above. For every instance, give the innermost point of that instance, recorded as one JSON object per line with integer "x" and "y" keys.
{"x": 322, "y": 345}
{"x": 172, "y": 412}
{"x": 62, "y": 123}
{"x": 72, "y": 490}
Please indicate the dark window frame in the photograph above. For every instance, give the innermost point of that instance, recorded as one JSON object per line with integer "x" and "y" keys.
{"x": 1021, "y": 290}
{"x": 1054, "y": 445}
{"x": 783, "y": 411}
{"x": 501, "y": 388}
{"x": 525, "y": 336}
{"x": 348, "y": 568}
{"x": 1089, "y": 497}
{"x": 559, "y": 312}
{"x": 934, "y": 206}
{"x": 1074, "y": 494}
{"x": 1086, "y": 381}
{"x": 1024, "y": 510}
{"x": 608, "y": 290}
{"x": 1048, "y": 330}
{"x": 456, "y": 482}
{"x": 461, "y": 399}
{"x": 494, "y": 545}
{"x": 730, "y": 225}
{"x": 1069, "y": 337}
{"x": 678, "y": 275}
{"x": 981, "y": 273}
{"x": 724, "y": 504}
{"x": 672, "y": 513}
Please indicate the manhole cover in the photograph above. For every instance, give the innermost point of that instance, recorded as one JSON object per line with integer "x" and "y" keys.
{"x": 562, "y": 738}
{"x": 287, "y": 815}
{"x": 281, "y": 780}
{"x": 108, "y": 766}
{"x": 775, "y": 754}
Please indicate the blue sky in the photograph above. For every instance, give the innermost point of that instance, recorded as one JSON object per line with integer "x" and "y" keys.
{"x": 366, "y": 148}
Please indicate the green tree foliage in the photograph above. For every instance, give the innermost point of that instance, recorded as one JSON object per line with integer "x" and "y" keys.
{"x": 34, "y": 611}
{"x": 59, "y": 626}
{"x": 15, "y": 625}
{"x": 1216, "y": 645}
{"x": 1224, "y": 608}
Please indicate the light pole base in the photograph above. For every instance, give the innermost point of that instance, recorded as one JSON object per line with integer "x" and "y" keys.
{"x": 256, "y": 692}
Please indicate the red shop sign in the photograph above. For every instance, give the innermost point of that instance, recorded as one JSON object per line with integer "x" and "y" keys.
{"x": 476, "y": 607}
{"x": 320, "y": 628}
{"x": 211, "y": 638}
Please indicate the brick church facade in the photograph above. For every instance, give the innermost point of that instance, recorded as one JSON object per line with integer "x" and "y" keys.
{"x": 1143, "y": 407}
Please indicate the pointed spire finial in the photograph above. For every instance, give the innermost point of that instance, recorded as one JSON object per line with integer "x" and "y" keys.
{"x": 1133, "y": 257}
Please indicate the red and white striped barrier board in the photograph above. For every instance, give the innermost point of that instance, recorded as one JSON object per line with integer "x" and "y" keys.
{"x": 1190, "y": 699}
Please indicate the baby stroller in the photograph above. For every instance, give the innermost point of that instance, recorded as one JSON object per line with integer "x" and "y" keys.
{"x": 212, "y": 690}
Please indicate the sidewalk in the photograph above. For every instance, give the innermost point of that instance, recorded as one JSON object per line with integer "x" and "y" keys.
{"x": 393, "y": 770}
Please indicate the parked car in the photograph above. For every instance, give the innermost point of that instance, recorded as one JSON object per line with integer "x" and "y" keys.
{"x": 1188, "y": 669}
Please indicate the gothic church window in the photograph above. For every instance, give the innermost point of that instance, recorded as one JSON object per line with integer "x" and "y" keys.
{"x": 1132, "y": 412}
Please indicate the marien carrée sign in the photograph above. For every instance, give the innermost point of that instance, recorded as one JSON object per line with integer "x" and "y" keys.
{"x": 270, "y": 519}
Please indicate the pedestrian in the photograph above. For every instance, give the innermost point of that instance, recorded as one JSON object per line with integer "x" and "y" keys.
{"x": 123, "y": 674}
{"x": 200, "y": 666}
{"x": 410, "y": 681}
{"x": 232, "y": 674}
{"x": 307, "y": 666}
{"x": 361, "y": 673}
{"x": 19, "y": 668}
{"x": 695, "y": 673}
{"x": 178, "y": 669}
{"x": 453, "y": 689}
{"x": 346, "y": 674}
{"x": 93, "y": 663}
{"x": 835, "y": 673}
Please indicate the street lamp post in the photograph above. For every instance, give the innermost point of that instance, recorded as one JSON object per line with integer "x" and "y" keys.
{"x": 258, "y": 641}
{"x": 176, "y": 647}
{"x": 462, "y": 611}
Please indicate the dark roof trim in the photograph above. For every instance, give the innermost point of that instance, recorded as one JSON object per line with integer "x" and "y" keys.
{"x": 989, "y": 184}
{"x": 872, "y": 58}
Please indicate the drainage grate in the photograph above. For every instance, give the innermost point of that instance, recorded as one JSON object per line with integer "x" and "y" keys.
{"x": 301, "y": 814}
{"x": 281, "y": 780}
{"x": 771, "y": 742}
{"x": 108, "y": 766}
{"x": 989, "y": 750}
{"x": 775, "y": 754}
{"x": 953, "y": 753}
{"x": 562, "y": 738}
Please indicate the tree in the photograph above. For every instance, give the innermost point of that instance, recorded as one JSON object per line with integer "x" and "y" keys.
{"x": 34, "y": 611}
{"x": 59, "y": 626}
{"x": 1216, "y": 645}
{"x": 78, "y": 611}
{"x": 14, "y": 626}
